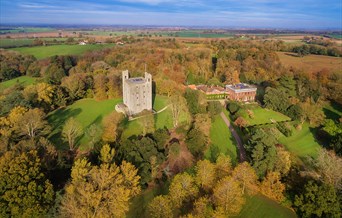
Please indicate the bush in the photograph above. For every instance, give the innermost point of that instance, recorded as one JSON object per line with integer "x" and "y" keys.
{"x": 233, "y": 107}
{"x": 285, "y": 128}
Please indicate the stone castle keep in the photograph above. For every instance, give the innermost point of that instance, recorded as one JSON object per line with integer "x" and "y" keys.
{"x": 137, "y": 92}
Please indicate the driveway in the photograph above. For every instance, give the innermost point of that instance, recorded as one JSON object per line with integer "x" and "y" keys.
{"x": 242, "y": 151}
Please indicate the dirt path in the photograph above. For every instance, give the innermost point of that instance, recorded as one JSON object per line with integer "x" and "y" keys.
{"x": 242, "y": 151}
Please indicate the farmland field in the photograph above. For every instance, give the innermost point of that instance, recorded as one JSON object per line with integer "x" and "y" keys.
{"x": 222, "y": 139}
{"x": 41, "y": 52}
{"x": 311, "y": 63}
{"x": 25, "y": 30}
{"x": 22, "y": 80}
{"x": 7, "y": 43}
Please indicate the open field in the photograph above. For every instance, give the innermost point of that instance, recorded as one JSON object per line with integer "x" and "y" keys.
{"x": 7, "y": 43}
{"x": 260, "y": 206}
{"x": 263, "y": 116}
{"x": 302, "y": 143}
{"x": 86, "y": 111}
{"x": 22, "y": 80}
{"x": 221, "y": 138}
{"x": 25, "y": 30}
{"x": 311, "y": 63}
{"x": 41, "y": 52}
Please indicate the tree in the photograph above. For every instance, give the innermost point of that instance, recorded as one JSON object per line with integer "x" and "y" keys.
{"x": 228, "y": 195}
{"x": 93, "y": 134}
{"x": 146, "y": 121}
{"x": 72, "y": 129}
{"x": 317, "y": 201}
{"x": 24, "y": 190}
{"x": 214, "y": 108}
{"x": 283, "y": 162}
{"x": 272, "y": 186}
{"x": 203, "y": 123}
{"x": 205, "y": 174}
{"x": 276, "y": 99}
{"x": 178, "y": 106}
{"x": 160, "y": 207}
{"x": 241, "y": 122}
{"x": 223, "y": 166}
{"x": 312, "y": 112}
{"x": 329, "y": 168}
{"x": 32, "y": 124}
{"x": 183, "y": 188}
{"x": 110, "y": 126}
{"x": 100, "y": 191}
{"x": 196, "y": 142}
{"x": 246, "y": 176}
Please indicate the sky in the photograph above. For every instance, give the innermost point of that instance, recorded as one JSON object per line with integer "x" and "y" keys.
{"x": 289, "y": 14}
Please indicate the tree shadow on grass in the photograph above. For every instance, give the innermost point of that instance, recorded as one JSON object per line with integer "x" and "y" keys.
{"x": 57, "y": 121}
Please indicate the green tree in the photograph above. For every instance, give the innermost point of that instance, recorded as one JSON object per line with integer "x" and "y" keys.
{"x": 24, "y": 190}
{"x": 178, "y": 107}
{"x": 196, "y": 142}
{"x": 317, "y": 201}
{"x": 146, "y": 121}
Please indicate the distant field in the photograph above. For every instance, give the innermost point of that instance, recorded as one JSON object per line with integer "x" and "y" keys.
{"x": 263, "y": 116}
{"x": 302, "y": 143}
{"x": 311, "y": 63}
{"x": 23, "y": 80}
{"x": 86, "y": 111}
{"x": 336, "y": 36}
{"x": 25, "y": 30}
{"x": 260, "y": 206}
{"x": 221, "y": 138}
{"x": 7, "y": 43}
{"x": 41, "y": 52}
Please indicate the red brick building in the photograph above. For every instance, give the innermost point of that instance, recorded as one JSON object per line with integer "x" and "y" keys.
{"x": 241, "y": 92}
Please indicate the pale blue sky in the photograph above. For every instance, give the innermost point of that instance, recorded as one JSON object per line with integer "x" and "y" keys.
{"x": 309, "y": 14}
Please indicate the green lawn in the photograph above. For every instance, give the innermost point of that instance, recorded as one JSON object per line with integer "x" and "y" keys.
{"x": 221, "y": 139}
{"x": 260, "y": 206}
{"x": 163, "y": 119}
{"x": 332, "y": 111}
{"x": 262, "y": 116}
{"x": 41, "y": 52}
{"x": 86, "y": 111}
{"x": 22, "y": 80}
{"x": 302, "y": 143}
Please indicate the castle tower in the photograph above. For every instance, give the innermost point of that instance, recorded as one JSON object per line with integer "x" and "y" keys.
{"x": 137, "y": 92}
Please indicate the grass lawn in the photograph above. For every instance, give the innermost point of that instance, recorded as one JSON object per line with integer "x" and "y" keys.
{"x": 163, "y": 119}
{"x": 26, "y": 30}
{"x": 262, "y": 116}
{"x": 22, "y": 80}
{"x": 86, "y": 111}
{"x": 332, "y": 111}
{"x": 302, "y": 143}
{"x": 311, "y": 63}
{"x": 260, "y": 206}
{"x": 222, "y": 139}
{"x": 41, "y": 52}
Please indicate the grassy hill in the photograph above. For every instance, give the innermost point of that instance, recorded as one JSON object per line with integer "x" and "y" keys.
{"x": 41, "y": 52}
{"x": 86, "y": 111}
{"x": 22, "y": 80}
